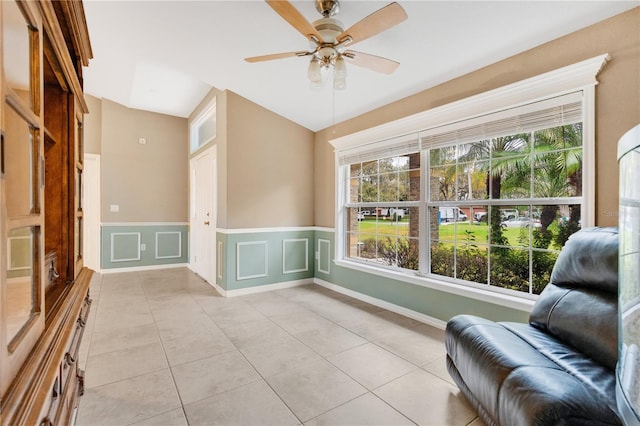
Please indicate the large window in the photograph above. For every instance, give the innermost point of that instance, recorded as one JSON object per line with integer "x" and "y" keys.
{"x": 484, "y": 200}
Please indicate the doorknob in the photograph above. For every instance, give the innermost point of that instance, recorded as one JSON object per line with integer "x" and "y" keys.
{"x": 206, "y": 223}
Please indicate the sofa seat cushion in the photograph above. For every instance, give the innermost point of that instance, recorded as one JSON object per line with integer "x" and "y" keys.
{"x": 521, "y": 376}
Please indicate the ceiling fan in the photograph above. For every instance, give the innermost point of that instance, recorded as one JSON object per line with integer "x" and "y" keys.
{"x": 328, "y": 40}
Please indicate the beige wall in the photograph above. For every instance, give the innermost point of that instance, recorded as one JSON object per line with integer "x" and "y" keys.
{"x": 148, "y": 182}
{"x": 265, "y": 165}
{"x": 93, "y": 126}
{"x": 269, "y": 168}
{"x": 273, "y": 172}
{"x": 617, "y": 103}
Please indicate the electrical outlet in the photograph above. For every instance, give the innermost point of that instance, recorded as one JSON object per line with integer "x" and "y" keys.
{"x": 143, "y": 247}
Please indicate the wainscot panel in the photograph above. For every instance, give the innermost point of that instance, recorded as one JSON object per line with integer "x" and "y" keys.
{"x": 249, "y": 258}
{"x": 134, "y": 245}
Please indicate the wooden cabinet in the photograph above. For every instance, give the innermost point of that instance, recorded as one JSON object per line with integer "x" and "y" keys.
{"x": 44, "y": 297}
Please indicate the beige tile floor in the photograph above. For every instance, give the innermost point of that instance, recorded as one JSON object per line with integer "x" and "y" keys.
{"x": 163, "y": 348}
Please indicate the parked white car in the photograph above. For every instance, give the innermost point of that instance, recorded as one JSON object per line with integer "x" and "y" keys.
{"x": 519, "y": 222}
{"x": 508, "y": 214}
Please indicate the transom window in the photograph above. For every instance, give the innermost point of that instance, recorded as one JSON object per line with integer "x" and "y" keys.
{"x": 203, "y": 128}
{"x": 484, "y": 200}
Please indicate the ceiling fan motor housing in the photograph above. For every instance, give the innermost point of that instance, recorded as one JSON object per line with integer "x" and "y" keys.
{"x": 327, "y": 7}
{"x": 329, "y": 29}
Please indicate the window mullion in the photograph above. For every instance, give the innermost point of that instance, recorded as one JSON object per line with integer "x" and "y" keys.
{"x": 424, "y": 236}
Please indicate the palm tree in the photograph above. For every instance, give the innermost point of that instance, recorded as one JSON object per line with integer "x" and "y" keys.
{"x": 556, "y": 165}
{"x": 499, "y": 157}
{"x": 558, "y": 171}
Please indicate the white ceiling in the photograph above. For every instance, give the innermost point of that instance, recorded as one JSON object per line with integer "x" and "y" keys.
{"x": 164, "y": 56}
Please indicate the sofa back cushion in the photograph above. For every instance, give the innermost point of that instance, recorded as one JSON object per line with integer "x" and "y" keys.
{"x": 580, "y": 304}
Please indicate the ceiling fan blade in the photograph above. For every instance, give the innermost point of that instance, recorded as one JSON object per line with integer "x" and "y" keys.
{"x": 379, "y": 21}
{"x": 372, "y": 62}
{"x": 295, "y": 18}
{"x": 276, "y": 56}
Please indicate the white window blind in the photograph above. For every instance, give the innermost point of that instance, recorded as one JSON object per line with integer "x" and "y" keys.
{"x": 554, "y": 112}
{"x": 382, "y": 149}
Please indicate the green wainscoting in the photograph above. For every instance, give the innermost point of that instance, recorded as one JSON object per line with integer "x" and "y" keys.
{"x": 430, "y": 302}
{"x": 139, "y": 245}
{"x": 264, "y": 257}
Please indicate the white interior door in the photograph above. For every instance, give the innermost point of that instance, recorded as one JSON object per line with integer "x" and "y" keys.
{"x": 203, "y": 215}
{"x": 91, "y": 211}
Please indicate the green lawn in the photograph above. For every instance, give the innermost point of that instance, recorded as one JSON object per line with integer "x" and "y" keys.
{"x": 463, "y": 231}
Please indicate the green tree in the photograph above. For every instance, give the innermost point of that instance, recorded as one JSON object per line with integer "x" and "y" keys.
{"x": 501, "y": 157}
{"x": 558, "y": 170}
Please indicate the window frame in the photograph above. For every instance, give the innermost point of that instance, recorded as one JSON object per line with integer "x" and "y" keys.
{"x": 207, "y": 114}
{"x": 379, "y": 204}
{"x": 579, "y": 77}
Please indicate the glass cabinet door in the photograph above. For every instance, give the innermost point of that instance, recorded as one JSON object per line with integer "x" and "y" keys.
{"x": 21, "y": 179}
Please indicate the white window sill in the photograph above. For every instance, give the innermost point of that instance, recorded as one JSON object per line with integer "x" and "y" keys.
{"x": 524, "y": 303}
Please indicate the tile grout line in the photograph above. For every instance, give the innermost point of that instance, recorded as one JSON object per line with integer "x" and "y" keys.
{"x": 164, "y": 351}
{"x": 264, "y": 380}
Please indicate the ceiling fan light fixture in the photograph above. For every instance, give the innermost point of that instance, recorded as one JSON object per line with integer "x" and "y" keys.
{"x": 314, "y": 73}
{"x": 339, "y": 74}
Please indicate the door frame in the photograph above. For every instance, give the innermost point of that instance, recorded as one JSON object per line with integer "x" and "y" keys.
{"x": 196, "y": 238}
{"x": 91, "y": 187}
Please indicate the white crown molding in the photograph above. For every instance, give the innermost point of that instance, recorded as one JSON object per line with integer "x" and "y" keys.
{"x": 557, "y": 82}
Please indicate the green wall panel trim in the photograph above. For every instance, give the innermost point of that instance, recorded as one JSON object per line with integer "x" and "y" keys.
{"x": 437, "y": 304}
{"x": 222, "y": 265}
{"x": 259, "y": 258}
{"x": 164, "y": 244}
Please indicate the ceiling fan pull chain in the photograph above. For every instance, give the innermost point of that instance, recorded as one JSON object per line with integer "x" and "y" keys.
{"x": 333, "y": 119}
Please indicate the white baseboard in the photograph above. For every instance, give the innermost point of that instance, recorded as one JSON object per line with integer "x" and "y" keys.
{"x": 144, "y": 268}
{"x": 383, "y": 304}
{"x": 264, "y": 288}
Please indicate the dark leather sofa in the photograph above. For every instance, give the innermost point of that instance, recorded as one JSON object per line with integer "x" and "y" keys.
{"x": 559, "y": 368}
